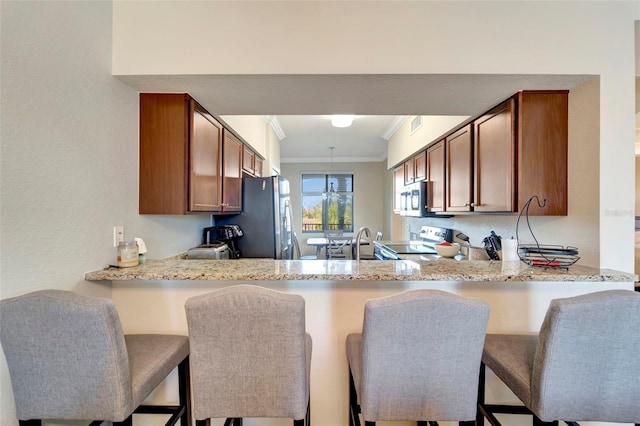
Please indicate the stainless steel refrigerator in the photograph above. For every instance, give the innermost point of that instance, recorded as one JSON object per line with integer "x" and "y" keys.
{"x": 265, "y": 219}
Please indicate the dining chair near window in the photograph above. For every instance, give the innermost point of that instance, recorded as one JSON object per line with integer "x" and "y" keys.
{"x": 582, "y": 366}
{"x": 296, "y": 250}
{"x": 417, "y": 358}
{"x": 68, "y": 359}
{"x": 250, "y": 355}
{"x": 337, "y": 245}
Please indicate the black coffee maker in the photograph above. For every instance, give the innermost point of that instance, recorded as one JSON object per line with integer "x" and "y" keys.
{"x": 227, "y": 234}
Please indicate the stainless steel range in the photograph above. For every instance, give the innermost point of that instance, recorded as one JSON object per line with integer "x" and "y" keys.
{"x": 429, "y": 236}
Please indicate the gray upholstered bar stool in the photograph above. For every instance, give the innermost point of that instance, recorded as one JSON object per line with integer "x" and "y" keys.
{"x": 417, "y": 359}
{"x": 582, "y": 366}
{"x": 69, "y": 360}
{"x": 250, "y": 355}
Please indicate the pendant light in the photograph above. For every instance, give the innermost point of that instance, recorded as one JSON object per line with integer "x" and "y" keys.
{"x": 331, "y": 194}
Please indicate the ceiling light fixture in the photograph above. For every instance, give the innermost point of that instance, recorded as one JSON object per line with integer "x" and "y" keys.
{"x": 341, "y": 120}
{"x": 332, "y": 195}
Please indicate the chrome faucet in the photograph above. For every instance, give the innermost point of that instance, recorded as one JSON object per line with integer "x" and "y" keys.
{"x": 358, "y": 237}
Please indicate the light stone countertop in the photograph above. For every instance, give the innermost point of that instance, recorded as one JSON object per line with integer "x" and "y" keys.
{"x": 425, "y": 268}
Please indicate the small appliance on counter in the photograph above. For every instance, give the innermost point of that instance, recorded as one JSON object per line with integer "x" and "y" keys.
{"x": 218, "y": 242}
{"x": 210, "y": 251}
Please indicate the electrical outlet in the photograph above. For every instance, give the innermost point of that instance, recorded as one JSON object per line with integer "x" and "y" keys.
{"x": 118, "y": 235}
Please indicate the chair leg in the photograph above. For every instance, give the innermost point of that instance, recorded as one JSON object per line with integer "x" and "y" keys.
{"x": 354, "y": 409}
{"x": 422, "y": 423}
{"x": 479, "y": 412}
{"x": 299, "y": 422}
{"x": 32, "y": 422}
{"x": 203, "y": 422}
{"x": 467, "y": 423}
{"x": 184, "y": 389}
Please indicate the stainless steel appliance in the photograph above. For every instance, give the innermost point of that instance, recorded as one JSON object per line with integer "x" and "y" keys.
{"x": 429, "y": 236}
{"x": 218, "y": 242}
{"x": 414, "y": 200}
{"x": 211, "y": 251}
{"x": 265, "y": 219}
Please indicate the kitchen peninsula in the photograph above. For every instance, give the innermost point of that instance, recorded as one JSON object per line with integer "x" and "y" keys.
{"x": 430, "y": 268}
{"x": 150, "y": 299}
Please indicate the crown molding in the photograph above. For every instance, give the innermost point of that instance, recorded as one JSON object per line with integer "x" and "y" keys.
{"x": 394, "y": 126}
{"x": 272, "y": 120}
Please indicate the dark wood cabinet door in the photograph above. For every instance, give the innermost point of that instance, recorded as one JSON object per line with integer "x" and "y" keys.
{"x": 398, "y": 186}
{"x": 543, "y": 150}
{"x": 435, "y": 163}
{"x": 251, "y": 162}
{"x": 248, "y": 160}
{"x": 494, "y": 155}
{"x": 164, "y": 131}
{"x": 205, "y": 189}
{"x": 408, "y": 172}
{"x": 420, "y": 167}
{"x": 232, "y": 173}
{"x": 459, "y": 170}
{"x": 258, "y": 166}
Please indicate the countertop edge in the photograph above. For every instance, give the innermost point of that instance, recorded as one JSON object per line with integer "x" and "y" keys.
{"x": 176, "y": 269}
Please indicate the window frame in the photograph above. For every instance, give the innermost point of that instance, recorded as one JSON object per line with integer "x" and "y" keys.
{"x": 325, "y": 203}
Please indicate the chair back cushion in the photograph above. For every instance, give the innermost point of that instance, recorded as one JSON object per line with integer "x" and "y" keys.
{"x": 66, "y": 355}
{"x": 421, "y": 356}
{"x": 248, "y": 353}
{"x": 586, "y": 365}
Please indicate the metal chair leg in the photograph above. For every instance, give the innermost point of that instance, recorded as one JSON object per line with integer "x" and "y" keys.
{"x": 354, "y": 409}
{"x": 184, "y": 389}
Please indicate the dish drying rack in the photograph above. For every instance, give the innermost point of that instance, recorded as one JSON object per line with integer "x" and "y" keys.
{"x": 544, "y": 255}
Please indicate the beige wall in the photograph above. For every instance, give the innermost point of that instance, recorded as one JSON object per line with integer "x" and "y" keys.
{"x": 368, "y": 187}
{"x": 69, "y": 149}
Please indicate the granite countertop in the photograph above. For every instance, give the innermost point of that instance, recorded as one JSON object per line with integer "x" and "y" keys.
{"x": 423, "y": 268}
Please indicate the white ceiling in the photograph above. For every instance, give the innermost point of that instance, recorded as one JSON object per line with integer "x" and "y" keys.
{"x": 302, "y": 103}
{"x": 308, "y": 138}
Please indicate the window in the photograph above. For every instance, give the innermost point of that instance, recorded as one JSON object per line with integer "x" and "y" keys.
{"x": 327, "y": 202}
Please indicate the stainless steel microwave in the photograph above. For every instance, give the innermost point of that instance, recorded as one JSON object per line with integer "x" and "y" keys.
{"x": 413, "y": 200}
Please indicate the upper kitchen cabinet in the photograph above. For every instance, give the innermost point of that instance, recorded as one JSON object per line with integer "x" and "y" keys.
{"x": 435, "y": 158}
{"x": 501, "y": 158}
{"x": 398, "y": 186}
{"x": 494, "y": 160}
{"x": 251, "y": 162}
{"x": 232, "y": 173}
{"x": 180, "y": 156}
{"x": 415, "y": 169}
{"x": 459, "y": 167}
{"x": 542, "y": 150}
